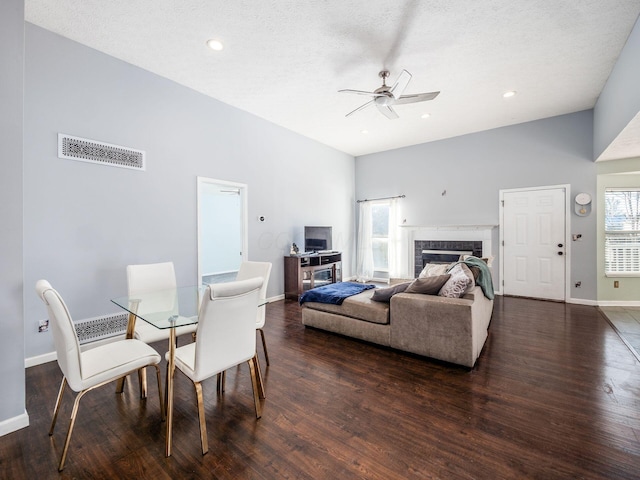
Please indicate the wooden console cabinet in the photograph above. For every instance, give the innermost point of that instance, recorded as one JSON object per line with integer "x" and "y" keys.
{"x": 302, "y": 273}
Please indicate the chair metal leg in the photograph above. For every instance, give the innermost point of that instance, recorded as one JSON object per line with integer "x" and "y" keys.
{"x": 254, "y": 383}
{"x": 72, "y": 422}
{"x": 256, "y": 361}
{"x": 203, "y": 423}
{"x": 220, "y": 381}
{"x": 142, "y": 382}
{"x": 163, "y": 412}
{"x": 57, "y": 407}
{"x": 264, "y": 346}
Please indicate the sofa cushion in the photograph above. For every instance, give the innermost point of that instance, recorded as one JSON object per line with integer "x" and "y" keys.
{"x": 428, "y": 285}
{"x": 460, "y": 282}
{"x": 385, "y": 294}
{"x": 357, "y": 306}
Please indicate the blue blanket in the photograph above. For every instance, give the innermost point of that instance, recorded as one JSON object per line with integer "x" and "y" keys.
{"x": 334, "y": 293}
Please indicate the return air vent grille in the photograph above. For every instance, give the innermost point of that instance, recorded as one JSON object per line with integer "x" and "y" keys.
{"x": 97, "y": 328}
{"x": 86, "y": 150}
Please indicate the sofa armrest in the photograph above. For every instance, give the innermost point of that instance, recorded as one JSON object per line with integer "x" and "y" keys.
{"x": 449, "y": 329}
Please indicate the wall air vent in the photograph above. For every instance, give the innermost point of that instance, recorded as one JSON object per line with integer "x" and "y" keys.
{"x": 86, "y": 150}
{"x": 97, "y": 328}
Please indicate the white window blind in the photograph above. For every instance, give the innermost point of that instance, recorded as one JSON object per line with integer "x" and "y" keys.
{"x": 622, "y": 232}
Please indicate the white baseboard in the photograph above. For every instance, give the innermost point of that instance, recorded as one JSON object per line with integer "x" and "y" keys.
{"x": 276, "y": 298}
{"x": 618, "y": 303}
{"x": 40, "y": 359}
{"x": 582, "y": 301}
{"x": 13, "y": 424}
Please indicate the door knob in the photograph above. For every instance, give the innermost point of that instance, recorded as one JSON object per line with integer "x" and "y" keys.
{"x": 560, "y": 245}
{"x": 560, "y": 253}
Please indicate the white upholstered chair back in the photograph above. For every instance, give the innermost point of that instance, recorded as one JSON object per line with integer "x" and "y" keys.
{"x": 252, "y": 270}
{"x": 226, "y": 327}
{"x": 152, "y": 277}
{"x": 64, "y": 334}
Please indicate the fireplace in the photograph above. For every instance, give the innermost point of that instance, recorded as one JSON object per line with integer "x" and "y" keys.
{"x": 443, "y": 251}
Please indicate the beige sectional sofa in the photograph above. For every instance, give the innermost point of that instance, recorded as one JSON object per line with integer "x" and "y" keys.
{"x": 449, "y": 329}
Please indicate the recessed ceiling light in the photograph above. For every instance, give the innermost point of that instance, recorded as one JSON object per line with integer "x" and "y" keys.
{"x": 508, "y": 94}
{"x": 364, "y": 132}
{"x": 425, "y": 115}
{"x": 215, "y": 44}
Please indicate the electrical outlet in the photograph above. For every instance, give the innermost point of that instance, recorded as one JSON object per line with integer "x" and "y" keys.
{"x": 43, "y": 325}
{"x": 616, "y": 284}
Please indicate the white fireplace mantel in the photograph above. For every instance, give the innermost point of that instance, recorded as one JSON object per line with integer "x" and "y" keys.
{"x": 411, "y": 233}
{"x": 450, "y": 228}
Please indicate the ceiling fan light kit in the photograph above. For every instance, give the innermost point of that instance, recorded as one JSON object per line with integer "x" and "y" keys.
{"x": 385, "y": 97}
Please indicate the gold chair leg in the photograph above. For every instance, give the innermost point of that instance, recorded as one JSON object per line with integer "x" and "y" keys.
{"x": 57, "y": 407}
{"x": 256, "y": 361}
{"x": 72, "y": 422}
{"x": 203, "y": 423}
{"x": 264, "y": 346}
{"x": 142, "y": 382}
{"x": 254, "y": 384}
{"x": 163, "y": 412}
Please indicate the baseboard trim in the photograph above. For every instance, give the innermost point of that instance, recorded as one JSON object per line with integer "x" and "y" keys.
{"x": 618, "y": 303}
{"x": 40, "y": 359}
{"x": 12, "y": 424}
{"x": 582, "y": 301}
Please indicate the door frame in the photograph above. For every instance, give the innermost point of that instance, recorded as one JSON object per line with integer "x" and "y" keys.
{"x": 567, "y": 232}
{"x": 244, "y": 192}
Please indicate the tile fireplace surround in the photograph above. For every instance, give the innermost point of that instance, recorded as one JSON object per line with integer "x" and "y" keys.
{"x": 476, "y": 238}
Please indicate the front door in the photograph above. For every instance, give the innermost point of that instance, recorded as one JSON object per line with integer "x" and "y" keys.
{"x": 534, "y": 236}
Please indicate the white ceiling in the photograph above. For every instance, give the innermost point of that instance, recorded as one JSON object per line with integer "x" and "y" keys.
{"x": 285, "y": 60}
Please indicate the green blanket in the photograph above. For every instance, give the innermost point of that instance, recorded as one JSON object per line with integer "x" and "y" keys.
{"x": 484, "y": 279}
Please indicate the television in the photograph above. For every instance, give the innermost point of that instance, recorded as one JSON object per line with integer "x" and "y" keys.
{"x": 317, "y": 239}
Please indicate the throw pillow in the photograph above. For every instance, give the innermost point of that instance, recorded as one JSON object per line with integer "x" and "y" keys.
{"x": 461, "y": 280}
{"x": 428, "y": 285}
{"x": 385, "y": 294}
{"x": 433, "y": 269}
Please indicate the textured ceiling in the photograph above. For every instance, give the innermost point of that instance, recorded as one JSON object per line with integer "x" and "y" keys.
{"x": 285, "y": 60}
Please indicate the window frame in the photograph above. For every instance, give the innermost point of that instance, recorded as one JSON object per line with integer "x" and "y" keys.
{"x": 619, "y": 237}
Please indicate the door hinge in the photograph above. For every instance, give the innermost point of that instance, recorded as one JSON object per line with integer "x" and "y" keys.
{"x": 502, "y": 202}
{"x": 503, "y": 243}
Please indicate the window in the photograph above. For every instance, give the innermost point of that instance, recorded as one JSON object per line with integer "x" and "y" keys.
{"x": 622, "y": 232}
{"x": 380, "y": 239}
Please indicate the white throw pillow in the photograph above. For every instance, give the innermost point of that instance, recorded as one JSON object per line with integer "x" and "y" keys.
{"x": 460, "y": 282}
{"x": 434, "y": 270}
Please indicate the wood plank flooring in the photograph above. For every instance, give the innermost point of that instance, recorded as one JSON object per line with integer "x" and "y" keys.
{"x": 555, "y": 394}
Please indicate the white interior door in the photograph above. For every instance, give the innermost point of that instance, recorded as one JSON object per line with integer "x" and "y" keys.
{"x": 222, "y": 232}
{"x": 534, "y": 243}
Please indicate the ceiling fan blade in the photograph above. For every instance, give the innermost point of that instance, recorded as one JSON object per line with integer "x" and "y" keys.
{"x": 360, "y": 108}
{"x": 387, "y": 111}
{"x": 401, "y": 84}
{"x": 361, "y": 92}
{"x": 418, "y": 97}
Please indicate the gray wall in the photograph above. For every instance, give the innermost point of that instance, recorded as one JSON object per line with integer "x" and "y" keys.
{"x": 84, "y": 222}
{"x": 619, "y": 101}
{"x": 12, "y": 398}
{"x": 473, "y": 168}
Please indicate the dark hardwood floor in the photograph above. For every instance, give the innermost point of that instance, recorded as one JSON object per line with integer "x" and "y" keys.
{"x": 555, "y": 394}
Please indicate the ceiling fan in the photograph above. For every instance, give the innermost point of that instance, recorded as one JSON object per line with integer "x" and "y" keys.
{"x": 385, "y": 97}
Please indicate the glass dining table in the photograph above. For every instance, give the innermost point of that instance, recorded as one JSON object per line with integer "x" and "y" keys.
{"x": 164, "y": 309}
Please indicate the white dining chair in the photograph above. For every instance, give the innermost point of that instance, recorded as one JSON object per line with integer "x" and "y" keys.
{"x": 225, "y": 338}
{"x": 153, "y": 277}
{"x": 258, "y": 269}
{"x": 148, "y": 278}
{"x": 85, "y": 370}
